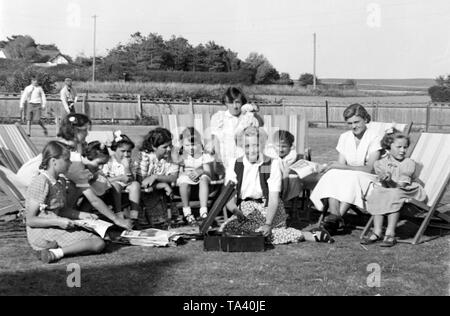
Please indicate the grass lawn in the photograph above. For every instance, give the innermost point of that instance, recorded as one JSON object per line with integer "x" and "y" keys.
{"x": 298, "y": 269}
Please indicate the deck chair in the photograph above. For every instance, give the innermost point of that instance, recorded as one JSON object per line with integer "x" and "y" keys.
{"x": 432, "y": 154}
{"x": 16, "y": 147}
{"x": 201, "y": 122}
{"x": 14, "y": 195}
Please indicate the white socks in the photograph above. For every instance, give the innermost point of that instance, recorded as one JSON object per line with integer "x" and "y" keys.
{"x": 57, "y": 252}
{"x": 203, "y": 212}
{"x": 187, "y": 211}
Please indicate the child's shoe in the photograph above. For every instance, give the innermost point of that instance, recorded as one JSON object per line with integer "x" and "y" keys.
{"x": 190, "y": 219}
{"x": 48, "y": 256}
{"x": 203, "y": 213}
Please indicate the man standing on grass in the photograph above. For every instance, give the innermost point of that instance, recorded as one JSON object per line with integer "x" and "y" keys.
{"x": 34, "y": 98}
{"x": 68, "y": 96}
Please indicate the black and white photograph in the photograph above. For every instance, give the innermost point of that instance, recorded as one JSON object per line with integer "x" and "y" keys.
{"x": 225, "y": 153}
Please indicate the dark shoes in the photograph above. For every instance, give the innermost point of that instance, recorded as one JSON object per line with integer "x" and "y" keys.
{"x": 389, "y": 241}
{"x": 372, "y": 239}
{"x": 333, "y": 224}
{"x": 322, "y": 235}
{"x": 47, "y": 256}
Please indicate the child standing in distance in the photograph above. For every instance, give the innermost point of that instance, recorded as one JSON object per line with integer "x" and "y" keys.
{"x": 118, "y": 172}
{"x": 196, "y": 171}
{"x": 396, "y": 174}
{"x": 50, "y": 227}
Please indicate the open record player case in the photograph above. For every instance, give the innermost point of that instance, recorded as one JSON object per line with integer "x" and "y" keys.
{"x": 216, "y": 241}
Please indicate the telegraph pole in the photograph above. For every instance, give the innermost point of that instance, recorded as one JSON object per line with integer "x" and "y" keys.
{"x": 93, "y": 61}
{"x": 314, "y": 66}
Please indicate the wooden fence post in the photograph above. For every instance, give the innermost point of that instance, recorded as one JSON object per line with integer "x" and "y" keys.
{"x": 192, "y": 105}
{"x": 139, "y": 107}
{"x": 428, "y": 116}
{"x": 327, "y": 114}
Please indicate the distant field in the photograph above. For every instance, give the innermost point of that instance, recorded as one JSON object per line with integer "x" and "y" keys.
{"x": 389, "y": 84}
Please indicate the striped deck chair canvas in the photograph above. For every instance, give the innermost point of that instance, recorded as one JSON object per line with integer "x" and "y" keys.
{"x": 13, "y": 199}
{"x": 432, "y": 154}
{"x": 297, "y": 125}
{"x": 177, "y": 123}
{"x": 16, "y": 147}
{"x": 382, "y": 127}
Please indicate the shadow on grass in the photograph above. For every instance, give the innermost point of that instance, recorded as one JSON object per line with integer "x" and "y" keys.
{"x": 139, "y": 278}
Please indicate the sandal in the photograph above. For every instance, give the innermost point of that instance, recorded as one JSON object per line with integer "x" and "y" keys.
{"x": 190, "y": 219}
{"x": 322, "y": 235}
{"x": 370, "y": 240}
{"x": 389, "y": 241}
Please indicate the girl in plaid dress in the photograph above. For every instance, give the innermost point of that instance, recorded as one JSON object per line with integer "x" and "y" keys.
{"x": 50, "y": 224}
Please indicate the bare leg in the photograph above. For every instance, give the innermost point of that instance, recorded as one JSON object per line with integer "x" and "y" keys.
{"x": 117, "y": 196}
{"x": 134, "y": 196}
{"x": 185, "y": 192}
{"x": 334, "y": 207}
{"x": 343, "y": 208}
{"x": 393, "y": 219}
{"x": 378, "y": 224}
{"x": 93, "y": 245}
{"x": 204, "y": 191}
{"x": 29, "y": 127}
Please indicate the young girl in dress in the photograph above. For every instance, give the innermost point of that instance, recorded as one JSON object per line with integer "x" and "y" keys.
{"x": 50, "y": 226}
{"x": 195, "y": 170}
{"x": 118, "y": 172}
{"x": 396, "y": 175}
{"x": 155, "y": 171}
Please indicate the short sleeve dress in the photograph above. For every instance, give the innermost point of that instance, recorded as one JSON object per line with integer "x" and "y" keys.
{"x": 51, "y": 196}
{"x": 385, "y": 200}
{"x": 191, "y": 163}
{"x": 347, "y": 185}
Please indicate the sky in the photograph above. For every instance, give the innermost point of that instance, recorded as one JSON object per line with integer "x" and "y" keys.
{"x": 355, "y": 38}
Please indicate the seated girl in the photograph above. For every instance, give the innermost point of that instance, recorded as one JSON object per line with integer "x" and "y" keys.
{"x": 257, "y": 205}
{"x": 50, "y": 226}
{"x": 154, "y": 169}
{"x": 195, "y": 171}
{"x": 118, "y": 172}
{"x": 396, "y": 174}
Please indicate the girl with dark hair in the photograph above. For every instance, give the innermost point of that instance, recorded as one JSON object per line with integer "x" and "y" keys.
{"x": 73, "y": 132}
{"x": 50, "y": 221}
{"x": 396, "y": 175}
{"x": 345, "y": 181}
{"x": 118, "y": 171}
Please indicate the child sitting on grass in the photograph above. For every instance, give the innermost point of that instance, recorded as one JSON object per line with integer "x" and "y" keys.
{"x": 50, "y": 227}
{"x": 195, "y": 171}
{"x": 257, "y": 205}
{"x": 118, "y": 172}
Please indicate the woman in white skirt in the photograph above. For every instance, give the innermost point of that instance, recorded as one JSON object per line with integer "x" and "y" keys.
{"x": 346, "y": 181}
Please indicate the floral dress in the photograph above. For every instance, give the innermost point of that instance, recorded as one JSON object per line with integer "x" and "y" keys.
{"x": 51, "y": 196}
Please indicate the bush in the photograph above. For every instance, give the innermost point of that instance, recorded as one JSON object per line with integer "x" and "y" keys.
{"x": 439, "y": 93}
{"x": 307, "y": 79}
{"x": 22, "y": 78}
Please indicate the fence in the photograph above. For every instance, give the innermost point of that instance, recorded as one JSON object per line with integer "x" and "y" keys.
{"x": 426, "y": 115}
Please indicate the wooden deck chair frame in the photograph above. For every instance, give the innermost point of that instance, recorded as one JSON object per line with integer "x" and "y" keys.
{"x": 382, "y": 127}
{"x": 432, "y": 151}
{"x": 16, "y": 148}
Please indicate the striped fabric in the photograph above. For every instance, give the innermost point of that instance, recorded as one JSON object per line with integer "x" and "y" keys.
{"x": 432, "y": 154}
{"x": 382, "y": 127}
{"x": 16, "y": 147}
{"x": 295, "y": 124}
{"x": 177, "y": 123}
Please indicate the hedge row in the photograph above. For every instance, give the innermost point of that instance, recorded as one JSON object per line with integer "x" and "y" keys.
{"x": 439, "y": 93}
